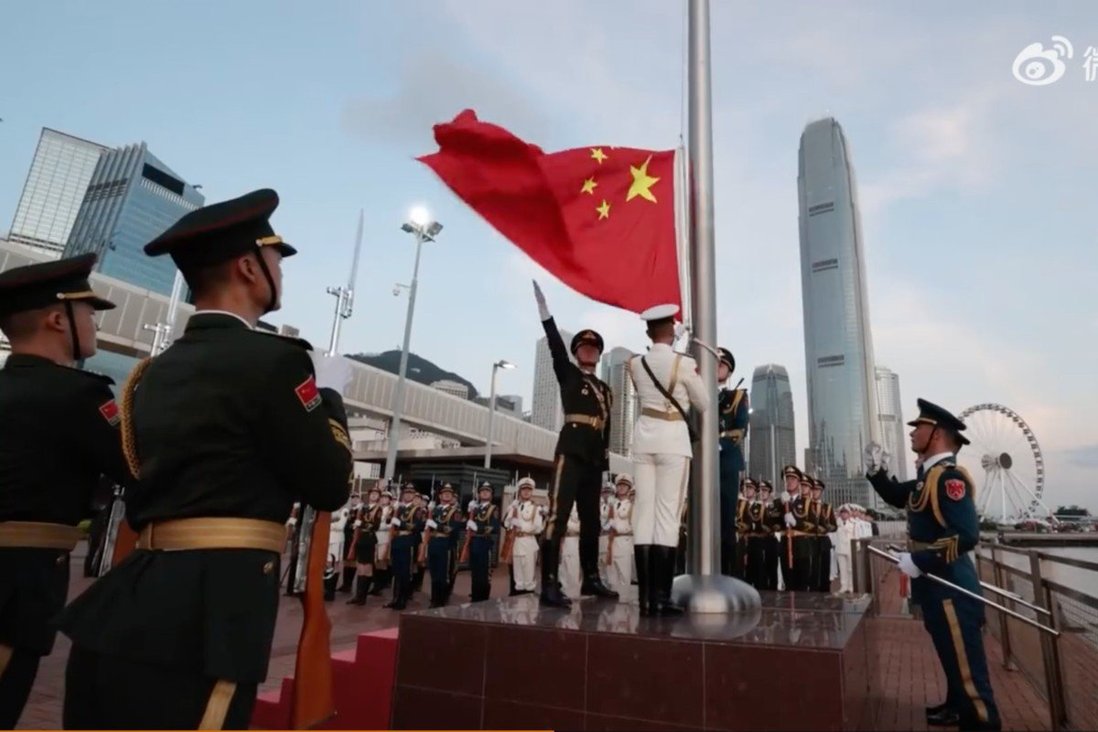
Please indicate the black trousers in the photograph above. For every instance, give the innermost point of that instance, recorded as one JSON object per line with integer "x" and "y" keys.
{"x": 575, "y": 482}
{"x": 770, "y": 564}
{"x": 756, "y": 561}
{"x": 480, "y": 569}
{"x": 823, "y": 564}
{"x": 106, "y": 692}
{"x": 15, "y": 685}
{"x": 799, "y": 576}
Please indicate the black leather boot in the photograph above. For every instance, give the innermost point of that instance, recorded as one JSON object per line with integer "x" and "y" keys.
{"x": 551, "y": 593}
{"x": 643, "y": 555}
{"x": 348, "y": 579}
{"x": 663, "y": 563}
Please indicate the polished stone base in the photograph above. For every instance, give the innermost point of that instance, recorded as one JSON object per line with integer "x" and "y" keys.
{"x": 802, "y": 661}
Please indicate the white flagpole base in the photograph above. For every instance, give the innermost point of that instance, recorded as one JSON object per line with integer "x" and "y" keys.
{"x": 715, "y": 594}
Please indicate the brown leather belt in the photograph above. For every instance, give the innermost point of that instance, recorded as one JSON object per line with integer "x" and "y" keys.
{"x": 795, "y": 533}
{"x": 586, "y": 419}
{"x": 660, "y": 414}
{"x": 40, "y": 535}
{"x": 915, "y": 546}
{"x": 733, "y": 434}
{"x": 520, "y": 534}
{"x": 213, "y": 533}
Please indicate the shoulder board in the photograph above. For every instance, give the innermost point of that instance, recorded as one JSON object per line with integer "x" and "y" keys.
{"x": 299, "y": 342}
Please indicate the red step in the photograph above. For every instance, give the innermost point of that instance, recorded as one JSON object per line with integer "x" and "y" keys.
{"x": 362, "y": 685}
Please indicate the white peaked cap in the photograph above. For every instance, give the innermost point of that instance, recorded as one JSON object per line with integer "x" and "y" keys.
{"x": 660, "y": 312}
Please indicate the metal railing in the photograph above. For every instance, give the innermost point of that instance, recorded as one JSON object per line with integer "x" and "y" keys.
{"x": 1043, "y": 588}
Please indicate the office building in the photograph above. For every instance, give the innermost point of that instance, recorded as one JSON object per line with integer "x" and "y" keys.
{"x": 451, "y": 387}
{"x": 131, "y": 199}
{"x": 772, "y": 433}
{"x": 890, "y": 416}
{"x": 546, "y": 410}
{"x": 842, "y": 410}
{"x": 58, "y": 178}
{"x": 623, "y": 412}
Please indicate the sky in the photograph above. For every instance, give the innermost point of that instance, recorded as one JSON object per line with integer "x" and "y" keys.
{"x": 977, "y": 191}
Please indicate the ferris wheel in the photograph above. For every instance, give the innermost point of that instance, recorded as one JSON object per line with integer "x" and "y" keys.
{"x": 1005, "y": 452}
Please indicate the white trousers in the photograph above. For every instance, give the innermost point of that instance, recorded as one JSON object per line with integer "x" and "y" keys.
{"x": 604, "y": 569}
{"x": 846, "y": 578}
{"x": 571, "y": 576}
{"x": 621, "y": 571}
{"x": 335, "y": 548}
{"x": 660, "y": 481}
{"x": 524, "y": 558}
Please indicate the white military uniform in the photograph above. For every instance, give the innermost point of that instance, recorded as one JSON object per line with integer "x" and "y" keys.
{"x": 661, "y": 443}
{"x": 571, "y": 575}
{"x": 621, "y": 571}
{"x": 336, "y": 539}
{"x": 525, "y": 518}
{"x": 604, "y": 536}
{"x": 843, "y": 537}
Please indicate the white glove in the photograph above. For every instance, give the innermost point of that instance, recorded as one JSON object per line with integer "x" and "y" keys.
{"x": 790, "y": 520}
{"x": 291, "y": 522}
{"x": 471, "y": 525}
{"x": 907, "y": 566}
{"x": 432, "y": 524}
{"x": 396, "y": 522}
{"x": 680, "y": 330}
{"x": 357, "y": 525}
{"x": 886, "y": 460}
{"x": 785, "y": 498}
{"x": 472, "y": 505}
{"x": 332, "y": 372}
{"x": 872, "y": 458}
{"x": 543, "y": 309}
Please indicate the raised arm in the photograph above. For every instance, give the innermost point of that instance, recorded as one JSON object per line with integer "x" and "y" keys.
{"x": 562, "y": 365}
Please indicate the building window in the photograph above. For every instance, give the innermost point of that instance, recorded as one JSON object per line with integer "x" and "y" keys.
{"x": 825, "y": 264}
{"x": 821, "y": 208}
{"x": 828, "y": 361}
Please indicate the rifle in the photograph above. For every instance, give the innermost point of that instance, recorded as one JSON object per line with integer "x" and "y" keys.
{"x": 509, "y": 539}
{"x": 312, "y": 702}
{"x": 120, "y": 539}
{"x": 357, "y": 518}
{"x": 610, "y": 540}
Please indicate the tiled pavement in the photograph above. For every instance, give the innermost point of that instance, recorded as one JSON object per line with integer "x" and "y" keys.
{"x": 910, "y": 677}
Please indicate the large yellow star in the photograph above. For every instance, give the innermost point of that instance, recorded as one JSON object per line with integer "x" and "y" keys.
{"x": 604, "y": 210}
{"x": 589, "y": 186}
{"x": 598, "y": 154}
{"x": 642, "y": 182}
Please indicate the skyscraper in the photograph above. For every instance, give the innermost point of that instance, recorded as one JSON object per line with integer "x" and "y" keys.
{"x": 890, "y": 416}
{"x": 772, "y": 434}
{"x": 59, "y": 175}
{"x": 131, "y": 199}
{"x": 546, "y": 410}
{"x": 838, "y": 348}
{"x": 623, "y": 412}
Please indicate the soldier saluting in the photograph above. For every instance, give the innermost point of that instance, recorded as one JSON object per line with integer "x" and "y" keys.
{"x": 58, "y": 433}
{"x": 582, "y": 456}
{"x": 943, "y": 528}
{"x": 224, "y": 430}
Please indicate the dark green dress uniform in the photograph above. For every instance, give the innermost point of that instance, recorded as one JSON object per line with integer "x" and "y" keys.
{"x": 582, "y": 455}
{"x": 230, "y": 429}
{"x": 797, "y": 543}
{"x": 943, "y": 527}
{"x": 364, "y": 546}
{"x": 58, "y": 435}
{"x": 742, "y": 527}
{"x": 768, "y": 521}
{"x": 824, "y": 519}
{"x": 408, "y": 521}
{"x": 486, "y": 517}
{"x": 732, "y": 422}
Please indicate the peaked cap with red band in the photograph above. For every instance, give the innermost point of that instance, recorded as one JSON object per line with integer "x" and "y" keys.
{"x": 49, "y": 283}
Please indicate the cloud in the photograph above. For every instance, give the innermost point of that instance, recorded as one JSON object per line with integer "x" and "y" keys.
{"x": 433, "y": 87}
{"x": 1083, "y": 457}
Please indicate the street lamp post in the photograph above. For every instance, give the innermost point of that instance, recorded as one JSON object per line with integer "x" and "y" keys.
{"x": 424, "y": 229}
{"x": 501, "y": 364}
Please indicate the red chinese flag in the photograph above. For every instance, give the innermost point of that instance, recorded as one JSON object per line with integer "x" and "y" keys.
{"x": 602, "y": 219}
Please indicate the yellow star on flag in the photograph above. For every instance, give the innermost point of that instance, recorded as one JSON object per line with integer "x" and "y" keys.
{"x": 604, "y": 210}
{"x": 589, "y": 186}
{"x": 642, "y": 182}
{"x": 598, "y": 155}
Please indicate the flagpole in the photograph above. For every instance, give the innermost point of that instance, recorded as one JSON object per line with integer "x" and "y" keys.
{"x": 705, "y": 590}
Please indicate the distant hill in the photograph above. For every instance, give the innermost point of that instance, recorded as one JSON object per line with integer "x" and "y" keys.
{"x": 420, "y": 369}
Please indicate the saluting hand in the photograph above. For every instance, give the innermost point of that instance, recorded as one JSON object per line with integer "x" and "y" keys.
{"x": 543, "y": 309}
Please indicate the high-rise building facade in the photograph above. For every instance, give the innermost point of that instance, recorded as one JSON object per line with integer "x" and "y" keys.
{"x": 131, "y": 199}
{"x": 546, "y": 410}
{"x": 59, "y": 175}
{"x": 890, "y": 416}
{"x": 623, "y": 412}
{"x": 838, "y": 348}
{"x": 772, "y": 437}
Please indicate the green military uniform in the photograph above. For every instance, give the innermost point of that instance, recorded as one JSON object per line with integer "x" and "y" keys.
{"x": 229, "y": 429}
{"x": 58, "y": 435}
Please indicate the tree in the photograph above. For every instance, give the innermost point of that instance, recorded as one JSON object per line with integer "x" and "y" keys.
{"x": 1072, "y": 510}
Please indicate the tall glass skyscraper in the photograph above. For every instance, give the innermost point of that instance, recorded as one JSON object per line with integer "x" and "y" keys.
{"x": 131, "y": 199}
{"x": 59, "y": 175}
{"x": 546, "y": 410}
{"x": 772, "y": 437}
{"x": 890, "y": 416}
{"x": 838, "y": 347}
{"x": 623, "y": 412}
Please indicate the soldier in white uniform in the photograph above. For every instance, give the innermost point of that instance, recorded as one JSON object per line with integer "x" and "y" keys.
{"x": 525, "y": 518}
{"x": 604, "y": 532}
{"x": 571, "y": 574}
{"x": 336, "y": 537}
{"x": 667, "y": 385}
{"x": 621, "y": 536}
